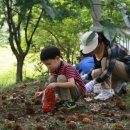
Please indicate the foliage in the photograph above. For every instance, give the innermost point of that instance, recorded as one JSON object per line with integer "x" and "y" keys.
{"x": 60, "y": 23}
{"x": 63, "y": 34}
{"x": 112, "y": 23}
{"x": 20, "y": 15}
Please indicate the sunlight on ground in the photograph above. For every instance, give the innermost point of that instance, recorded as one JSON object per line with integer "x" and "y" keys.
{"x": 8, "y": 67}
{"x": 7, "y": 60}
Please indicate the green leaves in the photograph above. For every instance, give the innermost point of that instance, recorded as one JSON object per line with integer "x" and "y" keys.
{"x": 28, "y": 4}
{"x": 97, "y": 28}
{"x": 90, "y": 38}
{"x": 109, "y": 33}
{"x": 109, "y": 29}
{"x": 49, "y": 10}
{"x": 86, "y": 3}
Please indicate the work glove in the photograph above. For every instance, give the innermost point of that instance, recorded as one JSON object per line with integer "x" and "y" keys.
{"x": 89, "y": 86}
{"x": 84, "y": 76}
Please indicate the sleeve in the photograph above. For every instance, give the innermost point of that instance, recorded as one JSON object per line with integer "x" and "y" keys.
{"x": 111, "y": 60}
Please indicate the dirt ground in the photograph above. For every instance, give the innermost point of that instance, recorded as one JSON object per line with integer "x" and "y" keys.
{"x": 20, "y": 111}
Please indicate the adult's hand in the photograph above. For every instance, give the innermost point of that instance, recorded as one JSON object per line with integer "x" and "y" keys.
{"x": 89, "y": 85}
{"x": 84, "y": 76}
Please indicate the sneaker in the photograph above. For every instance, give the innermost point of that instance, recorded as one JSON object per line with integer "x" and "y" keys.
{"x": 97, "y": 88}
{"x": 70, "y": 105}
{"x": 105, "y": 94}
{"x": 59, "y": 104}
{"x": 65, "y": 104}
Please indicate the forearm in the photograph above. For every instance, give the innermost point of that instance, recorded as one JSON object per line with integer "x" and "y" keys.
{"x": 107, "y": 72}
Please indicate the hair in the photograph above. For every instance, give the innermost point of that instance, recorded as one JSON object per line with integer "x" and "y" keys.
{"x": 85, "y": 55}
{"x": 102, "y": 38}
{"x": 49, "y": 52}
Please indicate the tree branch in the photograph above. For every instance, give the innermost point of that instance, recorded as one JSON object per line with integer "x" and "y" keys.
{"x": 9, "y": 21}
{"x": 35, "y": 27}
{"x": 56, "y": 39}
{"x": 26, "y": 27}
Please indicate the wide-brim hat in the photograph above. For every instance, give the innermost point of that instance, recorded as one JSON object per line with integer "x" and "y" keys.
{"x": 88, "y": 47}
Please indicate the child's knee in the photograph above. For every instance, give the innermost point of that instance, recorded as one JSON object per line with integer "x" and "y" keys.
{"x": 61, "y": 78}
{"x": 52, "y": 79}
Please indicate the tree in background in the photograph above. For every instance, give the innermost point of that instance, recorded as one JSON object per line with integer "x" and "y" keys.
{"x": 23, "y": 19}
{"x": 64, "y": 33}
{"x": 28, "y": 17}
{"x": 20, "y": 15}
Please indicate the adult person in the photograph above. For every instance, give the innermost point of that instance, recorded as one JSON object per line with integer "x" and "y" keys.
{"x": 112, "y": 63}
{"x": 85, "y": 65}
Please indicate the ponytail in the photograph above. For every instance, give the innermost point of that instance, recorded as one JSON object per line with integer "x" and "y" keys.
{"x": 102, "y": 38}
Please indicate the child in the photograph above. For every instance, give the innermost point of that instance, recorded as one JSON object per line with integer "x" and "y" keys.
{"x": 64, "y": 79}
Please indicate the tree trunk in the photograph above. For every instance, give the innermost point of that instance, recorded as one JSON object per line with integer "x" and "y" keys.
{"x": 19, "y": 74}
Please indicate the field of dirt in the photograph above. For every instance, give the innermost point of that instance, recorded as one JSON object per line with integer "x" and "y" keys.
{"x": 20, "y": 111}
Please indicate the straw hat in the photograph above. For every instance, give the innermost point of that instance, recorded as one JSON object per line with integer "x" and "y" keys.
{"x": 90, "y": 46}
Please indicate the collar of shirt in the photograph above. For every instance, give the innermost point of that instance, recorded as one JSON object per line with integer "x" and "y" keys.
{"x": 58, "y": 71}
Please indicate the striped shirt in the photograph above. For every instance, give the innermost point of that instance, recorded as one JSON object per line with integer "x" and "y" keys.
{"x": 113, "y": 53}
{"x": 70, "y": 72}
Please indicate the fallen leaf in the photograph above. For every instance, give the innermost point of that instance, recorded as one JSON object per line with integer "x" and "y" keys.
{"x": 88, "y": 99}
{"x": 71, "y": 125}
{"x": 119, "y": 127}
{"x": 60, "y": 117}
{"x": 71, "y": 118}
{"x": 17, "y": 127}
{"x": 40, "y": 127}
{"x": 86, "y": 120}
{"x": 125, "y": 116}
{"x": 95, "y": 110}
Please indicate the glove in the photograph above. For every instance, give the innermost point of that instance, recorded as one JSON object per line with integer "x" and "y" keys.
{"x": 89, "y": 86}
{"x": 84, "y": 76}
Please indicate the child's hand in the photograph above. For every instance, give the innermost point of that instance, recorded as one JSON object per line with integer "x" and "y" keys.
{"x": 39, "y": 82}
{"x": 52, "y": 85}
{"x": 38, "y": 94}
{"x": 57, "y": 97}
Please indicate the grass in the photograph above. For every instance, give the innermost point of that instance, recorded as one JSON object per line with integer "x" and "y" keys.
{"x": 127, "y": 99}
{"x": 8, "y": 67}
